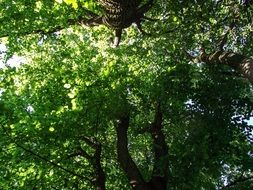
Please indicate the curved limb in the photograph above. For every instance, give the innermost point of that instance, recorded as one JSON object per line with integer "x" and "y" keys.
{"x": 117, "y": 38}
{"x": 144, "y": 8}
{"x": 139, "y": 27}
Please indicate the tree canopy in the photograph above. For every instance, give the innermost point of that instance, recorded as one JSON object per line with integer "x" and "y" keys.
{"x": 166, "y": 107}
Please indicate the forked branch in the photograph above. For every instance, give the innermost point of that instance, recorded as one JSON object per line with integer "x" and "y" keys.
{"x": 117, "y": 16}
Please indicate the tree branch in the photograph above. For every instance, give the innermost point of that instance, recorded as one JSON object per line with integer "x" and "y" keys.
{"x": 50, "y": 162}
{"x": 125, "y": 160}
{"x": 44, "y": 158}
{"x": 95, "y": 160}
{"x": 80, "y": 152}
{"x": 160, "y": 148}
{"x": 100, "y": 174}
{"x": 241, "y": 63}
{"x": 224, "y": 38}
{"x": 88, "y": 141}
{"x": 237, "y": 181}
{"x": 93, "y": 21}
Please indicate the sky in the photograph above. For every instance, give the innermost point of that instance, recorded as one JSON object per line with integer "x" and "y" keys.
{"x": 13, "y": 62}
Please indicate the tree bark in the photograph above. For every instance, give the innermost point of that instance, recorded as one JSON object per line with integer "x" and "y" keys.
{"x": 160, "y": 148}
{"x": 241, "y": 63}
{"x": 159, "y": 176}
{"x": 100, "y": 174}
{"x": 124, "y": 158}
{"x": 117, "y": 16}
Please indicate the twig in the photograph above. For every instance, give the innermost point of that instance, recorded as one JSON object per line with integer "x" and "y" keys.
{"x": 239, "y": 180}
{"x": 44, "y": 158}
{"x": 224, "y": 39}
{"x": 188, "y": 55}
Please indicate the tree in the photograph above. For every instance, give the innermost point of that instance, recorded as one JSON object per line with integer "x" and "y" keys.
{"x": 167, "y": 109}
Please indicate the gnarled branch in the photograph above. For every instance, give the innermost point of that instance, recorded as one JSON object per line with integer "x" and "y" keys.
{"x": 117, "y": 16}
{"x": 241, "y": 63}
{"x": 160, "y": 148}
{"x": 125, "y": 160}
{"x": 95, "y": 159}
{"x": 237, "y": 181}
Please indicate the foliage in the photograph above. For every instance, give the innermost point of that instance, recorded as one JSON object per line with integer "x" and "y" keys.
{"x": 74, "y": 85}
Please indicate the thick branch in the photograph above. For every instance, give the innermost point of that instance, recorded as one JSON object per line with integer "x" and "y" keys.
{"x": 225, "y": 36}
{"x": 100, "y": 174}
{"x": 160, "y": 172}
{"x": 50, "y": 162}
{"x": 125, "y": 160}
{"x": 88, "y": 141}
{"x": 145, "y": 8}
{"x": 118, "y": 15}
{"x": 93, "y": 21}
{"x": 121, "y": 14}
{"x": 237, "y": 181}
{"x": 42, "y": 157}
{"x": 160, "y": 152}
{"x": 240, "y": 63}
{"x": 95, "y": 160}
{"x": 117, "y": 38}
{"x": 81, "y": 152}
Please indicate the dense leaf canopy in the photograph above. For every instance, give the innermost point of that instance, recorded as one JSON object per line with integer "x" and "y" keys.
{"x": 159, "y": 111}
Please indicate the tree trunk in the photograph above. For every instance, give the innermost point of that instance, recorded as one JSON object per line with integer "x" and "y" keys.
{"x": 159, "y": 176}
{"x": 100, "y": 174}
{"x": 240, "y": 63}
{"x": 126, "y": 162}
{"x": 160, "y": 148}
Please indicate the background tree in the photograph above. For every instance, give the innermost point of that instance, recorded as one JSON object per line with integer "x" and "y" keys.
{"x": 168, "y": 110}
